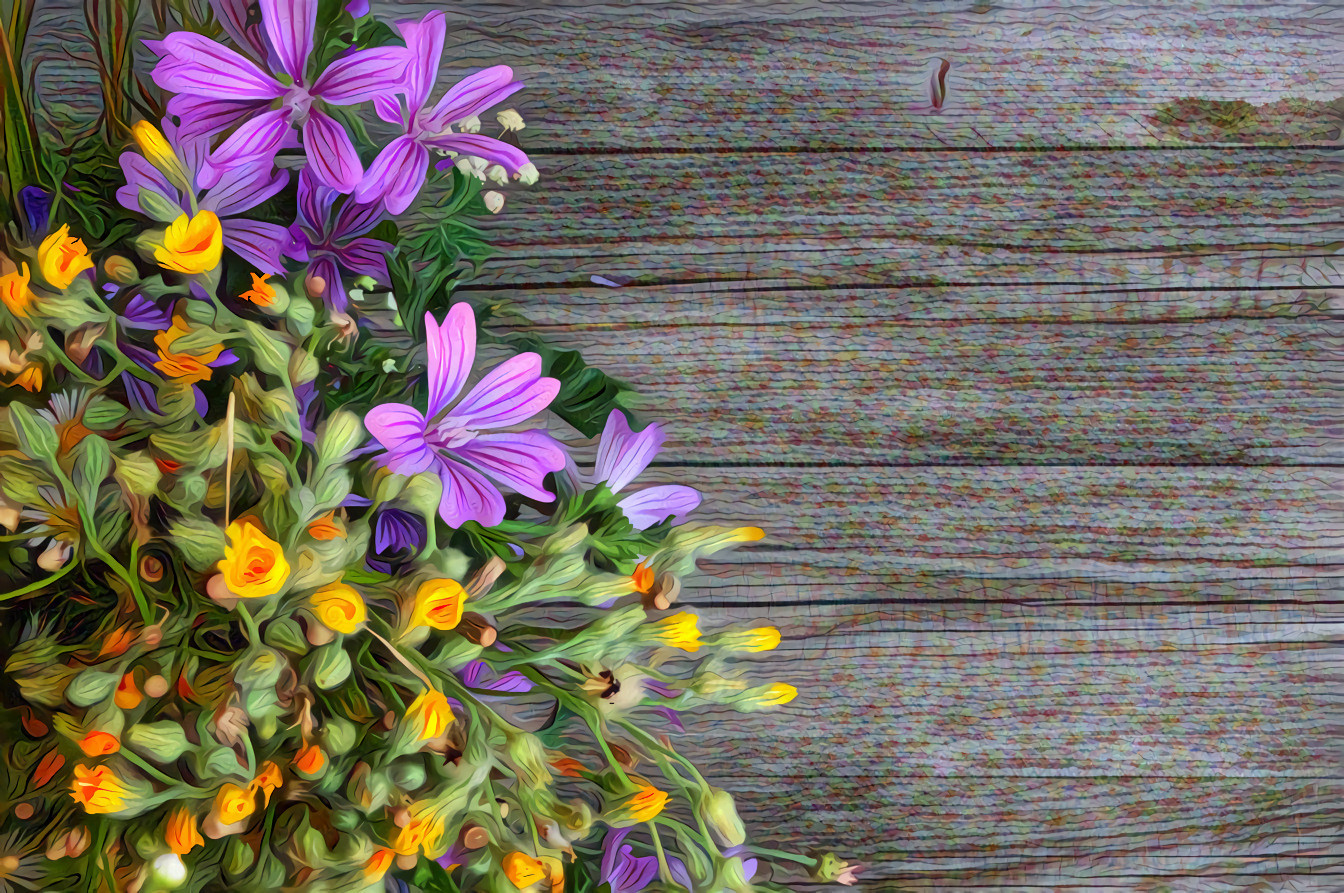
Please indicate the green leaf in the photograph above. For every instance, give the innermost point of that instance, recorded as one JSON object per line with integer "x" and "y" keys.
{"x": 431, "y": 877}
{"x": 36, "y": 435}
{"x": 157, "y": 207}
{"x": 587, "y": 395}
{"x": 103, "y": 414}
{"x": 271, "y": 354}
{"x": 92, "y": 468}
{"x": 200, "y": 541}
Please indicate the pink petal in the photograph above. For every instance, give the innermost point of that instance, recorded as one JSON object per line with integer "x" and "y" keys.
{"x": 647, "y": 507}
{"x": 468, "y": 496}
{"x": 396, "y": 175}
{"x": 495, "y": 151}
{"x": 254, "y": 142}
{"x": 520, "y": 460}
{"x": 512, "y": 392}
{"x": 289, "y": 26}
{"x": 259, "y": 243}
{"x": 331, "y": 155}
{"x": 452, "y": 349}
{"x": 401, "y": 431}
{"x": 472, "y": 95}
{"x": 240, "y": 189}
{"x": 621, "y": 454}
{"x": 362, "y": 75}
{"x": 390, "y": 109}
{"x": 424, "y": 41}
{"x": 196, "y": 64}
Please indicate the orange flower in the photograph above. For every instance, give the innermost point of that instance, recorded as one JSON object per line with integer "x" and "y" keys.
{"x": 430, "y": 715}
{"x": 569, "y": 766}
{"x": 267, "y": 780}
{"x": 261, "y": 293}
{"x": 556, "y": 869}
{"x": 438, "y": 604}
{"x": 117, "y": 642}
{"x": 642, "y": 577}
{"x": 61, "y": 258}
{"x": 190, "y": 368}
{"x": 378, "y": 865}
{"x": 98, "y": 790}
{"x": 310, "y": 759}
{"x": 127, "y": 696}
{"x": 254, "y": 565}
{"x": 99, "y": 744}
{"x": 182, "y": 835}
{"x": 192, "y": 244}
{"x": 233, "y": 804}
{"x": 522, "y": 870}
{"x": 47, "y": 768}
{"x": 15, "y": 293}
{"x": 325, "y": 528}
{"x": 30, "y": 379}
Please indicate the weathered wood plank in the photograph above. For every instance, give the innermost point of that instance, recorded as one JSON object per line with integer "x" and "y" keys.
{"x": 710, "y": 75}
{"x": 1205, "y": 218}
{"x": 1246, "y": 391}
{"x": 1117, "y": 523}
{"x": 1086, "y": 741}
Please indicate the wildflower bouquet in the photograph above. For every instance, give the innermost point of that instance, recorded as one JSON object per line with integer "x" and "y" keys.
{"x": 296, "y": 592}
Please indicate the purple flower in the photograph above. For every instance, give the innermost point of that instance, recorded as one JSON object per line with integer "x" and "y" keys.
{"x": 398, "y": 172}
{"x": 621, "y": 456}
{"x": 333, "y": 242}
{"x": 477, "y": 674}
{"x": 219, "y": 87}
{"x": 398, "y": 537}
{"x": 234, "y": 192}
{"x": 449, "y": 438}
{"x": 627, "y": 873}
{"x": 36, "y": 204}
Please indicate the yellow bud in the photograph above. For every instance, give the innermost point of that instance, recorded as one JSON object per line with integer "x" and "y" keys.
{"x": 61, "y": 258}
{"x": 15, "y": 293}
{"x": 192, "y": 245}
{"x": 340, "y": 607}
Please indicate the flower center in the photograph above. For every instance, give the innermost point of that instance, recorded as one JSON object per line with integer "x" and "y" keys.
{"x": 449, "y": 434}
{"x": 298, "y": 102}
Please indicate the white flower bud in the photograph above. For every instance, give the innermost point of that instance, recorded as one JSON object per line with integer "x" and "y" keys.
{"x": 497, "y": 174}
{"x": 510, "y": 120}
{"x": 494, "y": 201}
{"x": 169, "y": 870}
{"x": 528, "y": 174}
{"x": 470, "y": 125}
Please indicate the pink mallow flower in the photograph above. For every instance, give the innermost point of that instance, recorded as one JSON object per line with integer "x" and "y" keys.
{"x": 456, "y": 441}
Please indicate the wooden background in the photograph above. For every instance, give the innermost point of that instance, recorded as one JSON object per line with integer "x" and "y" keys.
{"x": 1036, "y": 389}
{"x": 1037, "y": 394}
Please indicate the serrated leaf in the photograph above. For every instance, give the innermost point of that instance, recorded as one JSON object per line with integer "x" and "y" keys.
{"x": 200, "y": 542}
{"x": 36, "y": 435}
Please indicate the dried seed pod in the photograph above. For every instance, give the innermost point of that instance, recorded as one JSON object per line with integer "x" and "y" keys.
{"x": 478, "y": 629}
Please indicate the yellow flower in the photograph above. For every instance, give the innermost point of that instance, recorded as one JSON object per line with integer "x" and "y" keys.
{"x": 647, "y": 804}
{"x": 61, "y": 258}
{"x": 310, "y": 759}
{"x": 438, "y": 604}
{"x": 423, "y": 831}
{"x": 680, "y": 630}
{"x": 340, "y": 607}
{"x": 429, "y": 715}
{"x": 30, "y": 379}
{"x": 182, "y": 835}
{"x": 556, "y": 869}
{"x": 233, "y": 804}
{"x": 254, "y": 565}
{"x": 98, "y": 790}
{"x": 522, "y": 870}
{"x": 771, "y": 695}
{"x": 267, "y": 780}
{"x": 762, "y": 638}
{"x": 261, "y": 293}
{"x": 378, "y": 865}
{"x": 99, "y": 744}
{"x": 14, "y": 291}
{"x": 157, "y": 151}
{"x": 192, "y": 244}
{"x": 186, "y": 367}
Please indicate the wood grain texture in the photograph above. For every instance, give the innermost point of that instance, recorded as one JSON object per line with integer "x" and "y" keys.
{"x": 1037, "y": 399}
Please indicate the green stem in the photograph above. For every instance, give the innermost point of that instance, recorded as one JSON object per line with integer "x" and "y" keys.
{"x": 39, "y": 584}
{"x": 253, "y": 633}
